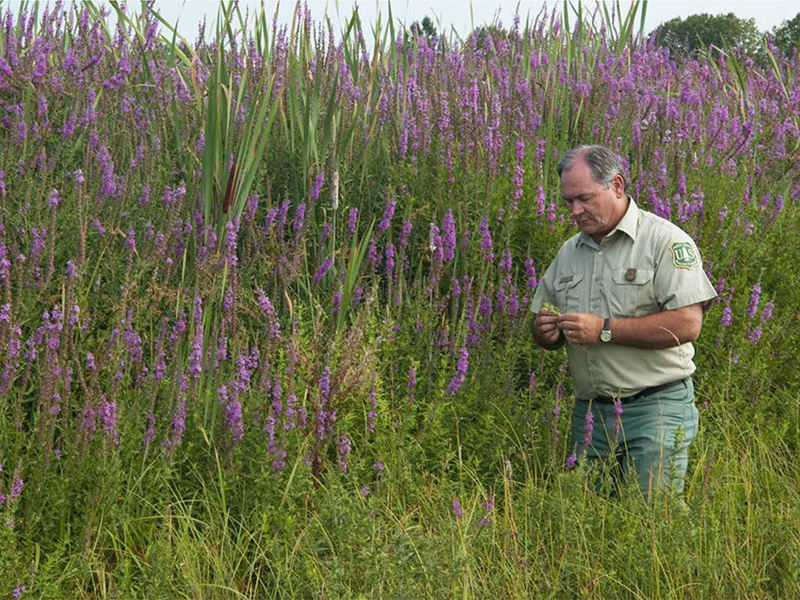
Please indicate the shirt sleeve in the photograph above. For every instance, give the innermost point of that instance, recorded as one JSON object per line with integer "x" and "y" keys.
{"x": 680, "y": 279}
{"x": 545, "y": 292}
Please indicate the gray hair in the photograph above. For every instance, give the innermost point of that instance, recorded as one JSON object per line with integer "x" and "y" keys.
{"x": 603, "y": 163}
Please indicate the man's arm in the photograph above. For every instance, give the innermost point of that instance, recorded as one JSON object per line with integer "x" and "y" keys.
{"x": 663, "y": 329}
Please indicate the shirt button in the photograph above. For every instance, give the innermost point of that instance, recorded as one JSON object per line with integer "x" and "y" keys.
{"x": 600, "y": 253}
{"x": 597, "y": 279}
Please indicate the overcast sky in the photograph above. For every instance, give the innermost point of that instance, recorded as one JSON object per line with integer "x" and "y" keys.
{"x": 458, "y": 14}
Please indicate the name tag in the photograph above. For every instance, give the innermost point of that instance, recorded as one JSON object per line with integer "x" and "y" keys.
{"x": 566, "y": 279}
{"x": 630, "y": 274}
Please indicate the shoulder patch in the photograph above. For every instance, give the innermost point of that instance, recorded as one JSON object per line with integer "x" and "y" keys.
{"x": 683, "y": 255}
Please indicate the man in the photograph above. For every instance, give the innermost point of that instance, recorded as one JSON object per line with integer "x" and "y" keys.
{"x": 630, "y": 292}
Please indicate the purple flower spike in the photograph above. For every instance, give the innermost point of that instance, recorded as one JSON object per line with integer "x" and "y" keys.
{"x": 588, "y": 429}
{"x": 387, "y": 216}
{"x": 572, "y": 460}
{"x": 461, "y": 373}
{"x": 486, "y": 240}
{"x": 323, "y": 269}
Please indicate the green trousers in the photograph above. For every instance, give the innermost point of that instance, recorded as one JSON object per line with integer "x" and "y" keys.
{"x": 649, "y": 440}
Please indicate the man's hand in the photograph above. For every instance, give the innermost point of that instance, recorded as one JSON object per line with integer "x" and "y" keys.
{"x": 581, "y": 328}
{"x": 546, "y": 329}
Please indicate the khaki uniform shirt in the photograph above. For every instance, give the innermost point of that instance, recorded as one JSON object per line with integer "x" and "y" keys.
{"x": 644, "y": 265}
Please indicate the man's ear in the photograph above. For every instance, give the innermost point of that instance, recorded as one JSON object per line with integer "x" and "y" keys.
{"x": 618, "y": 183}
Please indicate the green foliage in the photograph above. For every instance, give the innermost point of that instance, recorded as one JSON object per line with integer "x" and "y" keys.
{"x": 787, "y": 35}
{"x": 696, "y": 32}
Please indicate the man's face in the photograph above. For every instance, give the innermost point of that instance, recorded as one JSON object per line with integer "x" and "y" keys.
{"x": 595, "y": 208}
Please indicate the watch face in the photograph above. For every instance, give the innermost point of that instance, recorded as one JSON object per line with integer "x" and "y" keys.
{"x": 605, "y": 336}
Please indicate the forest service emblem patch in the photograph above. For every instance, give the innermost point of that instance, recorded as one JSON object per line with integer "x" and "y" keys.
{"x": 683, "y": 255}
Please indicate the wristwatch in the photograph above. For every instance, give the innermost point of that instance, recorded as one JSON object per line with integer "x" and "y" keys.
{"x": 605, "y": 335}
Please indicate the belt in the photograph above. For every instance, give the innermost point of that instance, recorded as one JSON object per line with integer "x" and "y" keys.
{"x": 645, "y": 392}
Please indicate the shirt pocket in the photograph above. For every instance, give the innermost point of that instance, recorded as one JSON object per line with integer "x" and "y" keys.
{"x": 632, "y": 294}
{"x": 569, "y": 293}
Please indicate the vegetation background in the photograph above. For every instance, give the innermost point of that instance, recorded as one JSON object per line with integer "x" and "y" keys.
{"x": 264, "y": 325}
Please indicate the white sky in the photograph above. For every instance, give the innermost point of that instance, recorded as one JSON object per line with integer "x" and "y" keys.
{"x": 459, "y": 14}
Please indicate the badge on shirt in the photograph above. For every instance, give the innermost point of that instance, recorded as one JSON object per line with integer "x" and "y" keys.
{"x": 683, "y": 255}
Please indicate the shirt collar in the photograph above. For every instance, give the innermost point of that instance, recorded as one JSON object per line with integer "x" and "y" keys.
{"x": 628, "y": 224}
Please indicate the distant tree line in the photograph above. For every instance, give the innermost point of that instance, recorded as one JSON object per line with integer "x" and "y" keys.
{"x": 685, "y": 37}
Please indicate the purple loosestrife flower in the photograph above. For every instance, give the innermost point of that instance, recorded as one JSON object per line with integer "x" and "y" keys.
{"x": 727, "y": 315}
{"x": 196, "y": 354}
{"x": 532, "y": 383}
{"x": 178, "y": 424}
{"x": 460, "y": 374}
{"x": 456, "y": 508}
{"x": 373, "y": 254}
{"x": 486, "y": 240}
{"x": 378, "y": 466}
{"x": 150, "y": 434}
{"x": 323, "y": 269}
{"x": 530, "y": 274}
{"x": 352, "y": 221}
{"x": 336, "y": 303}
{"x": 387, "y": 216}
{"x": 365, "y": 491}
{"x": 291, "y": 412}
{"x": 16, "y": 486}
{"x": 519, "y": 172}
{"x": 455, "y": 288}
{"x": 405, "y": 231}
{"x": 412, "y": 384}
{"x": 55, "y": 198}
{"x": 317, "y": 187}
{"x": 766, "y": 314}
{"x": 617, "y": 417}
{"x": 264, "y": 303}
{"x": 754, "y": 334}
{"x": 488, "y": 508}
{"x": 551, "y": 212}
{"x": 755, "y": 295}
{"x": 572, "y": 461}
{"x": 556, "y": 412}
{"x": 130, "y": 241}
{"x": 389, "y": 261}
{"x": 449, "y": 236}
{"x": 108, "y": 418}
{"x": 325, "y": 233}
{"x": 505, "y": 261}
{"x": 232, "y": 408}
{"x": 540, "y": 202}
{"x": 588, "y": 429}
{"x": 344, "y": 451}
{"x": 299, "y": 216}
{"x": 372, "y": 414}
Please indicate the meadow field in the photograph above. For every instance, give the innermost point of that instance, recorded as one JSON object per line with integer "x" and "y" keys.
{"x": 264, "y": 308}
